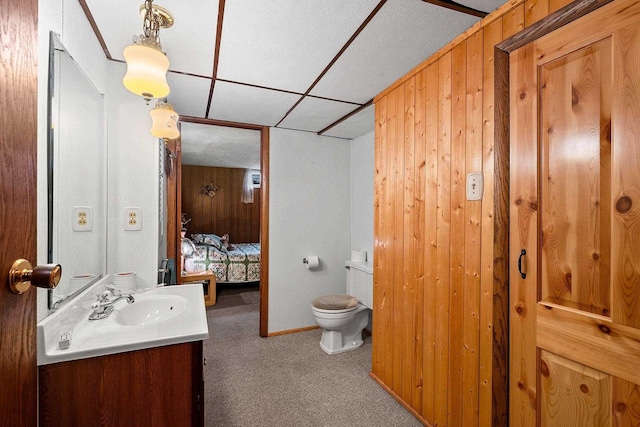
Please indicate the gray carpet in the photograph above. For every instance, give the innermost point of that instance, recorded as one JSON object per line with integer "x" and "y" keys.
{"x": 287, "y": 380}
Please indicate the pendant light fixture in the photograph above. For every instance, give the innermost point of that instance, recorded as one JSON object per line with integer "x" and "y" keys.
{"x": 147, "y": 64}
{"x": 165, "y": 121}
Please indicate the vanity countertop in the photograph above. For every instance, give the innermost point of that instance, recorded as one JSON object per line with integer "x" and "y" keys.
{"x": 159, "y": 316}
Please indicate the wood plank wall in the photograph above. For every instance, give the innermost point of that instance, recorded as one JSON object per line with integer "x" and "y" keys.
{"x": 224, "y": 213}
{"x": 440, "y": 314}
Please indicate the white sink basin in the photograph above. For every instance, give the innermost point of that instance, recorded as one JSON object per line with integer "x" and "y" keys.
{"x": 160, "y": 316}
{"x": 151, "y": 309}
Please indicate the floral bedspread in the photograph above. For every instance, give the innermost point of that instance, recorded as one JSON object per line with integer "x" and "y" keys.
{"x": 242, "y": 264}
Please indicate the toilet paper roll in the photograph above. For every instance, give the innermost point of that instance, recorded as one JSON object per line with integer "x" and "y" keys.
{"x": 358, "y": 255}
{"x": 311, "y": 262}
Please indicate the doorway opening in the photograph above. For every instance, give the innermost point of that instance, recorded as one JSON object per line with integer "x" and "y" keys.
{"x": 218, "y": 205}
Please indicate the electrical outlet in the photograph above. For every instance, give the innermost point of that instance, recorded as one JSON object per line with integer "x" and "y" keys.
{"x": 132, "y": 219}
{"x": 82, "y": 218}
{"x": 474, "y": 186}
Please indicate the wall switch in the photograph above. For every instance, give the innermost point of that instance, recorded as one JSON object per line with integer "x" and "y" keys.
{"x": 132, "y": 219}
{"x": 474, "y": 186}
{"x": 82, "y": 218}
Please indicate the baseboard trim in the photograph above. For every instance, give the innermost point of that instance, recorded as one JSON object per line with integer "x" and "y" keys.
{"x": 292, "y": 331}
{"x": 400, "y": 400}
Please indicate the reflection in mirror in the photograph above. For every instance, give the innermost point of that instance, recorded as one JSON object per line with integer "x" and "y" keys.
{"x": 77, "y": 176}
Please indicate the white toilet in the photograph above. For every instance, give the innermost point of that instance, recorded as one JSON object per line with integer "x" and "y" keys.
{"x": 343, "y": 317}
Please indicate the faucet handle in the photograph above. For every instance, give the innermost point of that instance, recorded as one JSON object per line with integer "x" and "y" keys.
{"x": 114, "y": 291}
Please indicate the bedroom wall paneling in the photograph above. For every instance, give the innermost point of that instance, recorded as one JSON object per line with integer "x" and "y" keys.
{"x": 224, "y": 213}
{"x": 440, "y": 325}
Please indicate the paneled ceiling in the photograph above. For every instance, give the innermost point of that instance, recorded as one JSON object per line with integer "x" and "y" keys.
{"x": 309, "y": 65}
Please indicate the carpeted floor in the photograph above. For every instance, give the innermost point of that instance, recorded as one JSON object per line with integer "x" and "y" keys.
{"x": 286, "y": 380}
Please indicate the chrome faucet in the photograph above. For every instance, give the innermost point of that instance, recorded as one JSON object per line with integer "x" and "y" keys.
{"x": 104, "y": 306}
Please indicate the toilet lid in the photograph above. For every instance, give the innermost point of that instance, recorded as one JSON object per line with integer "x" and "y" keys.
{"x": 335, "y": 302}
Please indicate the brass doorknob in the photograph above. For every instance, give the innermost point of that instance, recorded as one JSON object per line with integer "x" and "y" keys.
{"x": 22, "y": 275}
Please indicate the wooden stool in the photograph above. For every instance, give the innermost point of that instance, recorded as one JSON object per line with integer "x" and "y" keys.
{"x": 208, "y": 280}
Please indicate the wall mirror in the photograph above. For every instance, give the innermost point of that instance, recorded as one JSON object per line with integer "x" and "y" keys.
{"x": 77, "y": 176}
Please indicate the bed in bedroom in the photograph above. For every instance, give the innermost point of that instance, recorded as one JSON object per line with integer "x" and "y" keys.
{"x": 230, "y": 262}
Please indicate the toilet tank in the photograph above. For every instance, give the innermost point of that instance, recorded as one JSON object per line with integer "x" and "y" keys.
{"x": 360, "y": 281}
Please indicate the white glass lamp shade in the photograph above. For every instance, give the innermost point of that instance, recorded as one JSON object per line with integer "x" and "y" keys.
{"x": 165, "y": 122}
{"x": 146, "y": 71}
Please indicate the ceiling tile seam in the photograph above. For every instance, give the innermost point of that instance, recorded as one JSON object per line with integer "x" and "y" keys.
{"x": 338, "y": 55}
{"x": 184, "y": 73}
{"x": 286, "y": 91}
{"x": 216, "y": 54}
{"x": 457, "y": 7}
{"x": 94, "y": 26}
{"x": 308, "y": 131}
{"x": 346, "y": 116}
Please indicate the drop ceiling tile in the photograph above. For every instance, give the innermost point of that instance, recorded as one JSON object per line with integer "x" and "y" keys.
{"x": 399, "y": 37}
{"x": 286, "y": 44}
{"x": 189, "y": 43}
{"x": 247, "y": 104}
{"x": 189, "y": 94}
{"x": 219, "y": 146}
{"x": 314, "y": 114}
{"x": 355, "y": 126}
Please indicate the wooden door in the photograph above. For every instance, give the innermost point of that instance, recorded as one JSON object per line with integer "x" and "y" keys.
{"x": 575, "y": 210}
{"x": 18, "y": 112}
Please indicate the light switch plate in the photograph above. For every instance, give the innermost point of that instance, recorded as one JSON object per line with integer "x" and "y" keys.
{"x": 474, "y": 186}
{"x": 82, "y": 218}
{"x": 133, "y": 219}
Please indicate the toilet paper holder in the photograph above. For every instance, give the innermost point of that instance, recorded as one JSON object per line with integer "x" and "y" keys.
{"x": 311, "y": 262}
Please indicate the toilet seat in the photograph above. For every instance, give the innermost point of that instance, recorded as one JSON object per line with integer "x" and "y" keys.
{"x": 335, "y": 304}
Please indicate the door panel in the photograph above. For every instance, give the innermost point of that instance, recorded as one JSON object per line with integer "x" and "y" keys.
{"x": 567, "y": 384}
{"x": 575, "y": 210}
{"x": 575, "y": 167}
{"x": 18, "y": 95}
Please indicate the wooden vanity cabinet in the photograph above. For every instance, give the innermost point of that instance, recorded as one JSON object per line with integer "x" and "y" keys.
{"x": 161, "y": 386}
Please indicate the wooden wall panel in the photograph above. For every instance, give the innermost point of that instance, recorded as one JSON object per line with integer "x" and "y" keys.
{"x": 472, "y": 234}
{"x": 431, "y": 261}
{"x": 401, "y": 334}
{"x": 443, "y": 233}
{"x": 224, "y": 213}
{"x": 417, "y": 231}
{"x": 440, "y": 284}
{"x": 456, "y": 238}
{"x": 409, "y": 361}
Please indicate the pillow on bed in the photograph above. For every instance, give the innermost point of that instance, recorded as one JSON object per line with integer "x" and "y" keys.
{"x": 208, "y": 239}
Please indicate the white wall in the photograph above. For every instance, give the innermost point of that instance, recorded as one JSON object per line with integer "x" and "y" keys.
{"x": 67, "y": 19}
{"x": 133, "y": 181}
{"x": 309, "y": 214}
{"x": 362, "y": 170}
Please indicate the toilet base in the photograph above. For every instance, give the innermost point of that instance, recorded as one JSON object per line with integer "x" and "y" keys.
{"x": 347, "y": 338}
{"x": 330, "y": 346}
